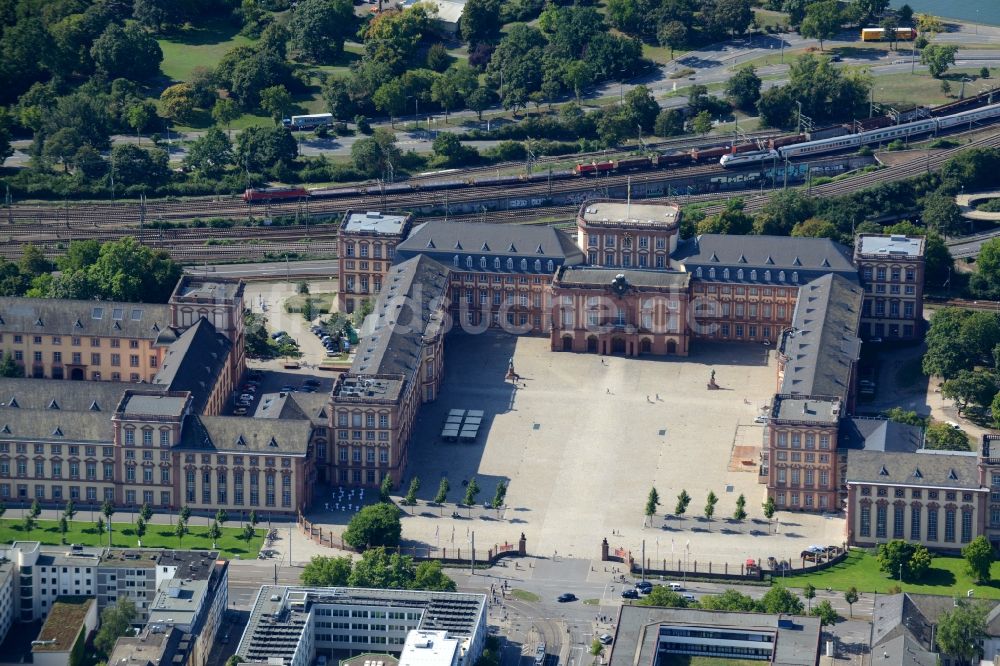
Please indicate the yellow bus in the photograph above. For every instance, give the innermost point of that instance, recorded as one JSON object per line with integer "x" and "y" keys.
{"x": 878, "y": 34}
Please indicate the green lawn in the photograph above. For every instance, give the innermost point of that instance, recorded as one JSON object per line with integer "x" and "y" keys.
{"x": 157, "y": 536}
{"x": 524, "y": 595}
{"x": 946, "y": 576}
{"x": 201, "y": 46}
{"x": 923, "y": 89}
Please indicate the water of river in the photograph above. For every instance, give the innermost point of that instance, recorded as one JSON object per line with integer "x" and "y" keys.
{"x": 979, "y": 11}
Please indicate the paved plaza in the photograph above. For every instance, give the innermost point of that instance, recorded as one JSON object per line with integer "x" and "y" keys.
{"x": 582, "y": 439}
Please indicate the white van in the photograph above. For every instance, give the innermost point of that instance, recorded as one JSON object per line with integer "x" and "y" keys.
{"x": 675, "y": 587}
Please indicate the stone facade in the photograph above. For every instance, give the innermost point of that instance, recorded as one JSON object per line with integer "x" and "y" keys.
{"x": 366, "y": 247}
{"x": 892, "y": 273}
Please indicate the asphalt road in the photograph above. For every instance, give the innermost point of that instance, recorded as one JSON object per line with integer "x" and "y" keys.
{"x": 274, "y": 270}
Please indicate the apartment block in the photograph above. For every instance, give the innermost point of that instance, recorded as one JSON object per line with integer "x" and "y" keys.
{"x": 892, "y": 273}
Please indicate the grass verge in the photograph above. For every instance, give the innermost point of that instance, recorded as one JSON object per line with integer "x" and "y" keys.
{"x": 947, "y": 576}
{"x": 524, "y": 595}
{"x": 201, "y": 46}
{"x": 157, "y": 536}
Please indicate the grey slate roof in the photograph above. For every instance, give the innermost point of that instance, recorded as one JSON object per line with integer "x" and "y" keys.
{"x": 236, "y": 434}
{"x": 904, "y": 651}
{"x": 44, "y": 425}
{"x": 822, "y": 343}
{"x": 913, "y": 616}
{"x": 810, "y": 257}
{"x": 602, "y": 277}
{"x": 444, "y": 240}
{"x": 194, "y": 361}
{"x": 411, "y": 293}
{"x": 68, "y": 318}
{"x": 876, "y": 434}
{"x": 142, "y": 404}
{"x": 63, "y": 395}
{"x": 940, "y": 469}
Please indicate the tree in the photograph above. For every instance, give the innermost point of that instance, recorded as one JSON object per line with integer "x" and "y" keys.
{"x": 978, "y": 555}
{"x": 743, "y": 88}
{"x": 942, "y": 437}
{"x": 127, "y": 52}
{"x": 260, "y": 147}
{"x": 942, "y": 214}
{"x": 652, "y": 501}
{"x": 930, "y": 24}
{"x": 9, "y": 367}
{"x": 733, "y": 15}
{"x": 180, "y": 529}
{"x": 138, "y": 116}
{"x": 903, "y": 560}
{"x": 108, "y": 509}
{"x": 373, "y": 155}
{"x": 390, "y": 98}
{"x": 669, "y": 122}
{"x": 961, "y": 631}
{"x": 377, "y": 568}
{"x": 809, "y": 593}
{"x": 822, "y": 21}
{"x": 375, "y": 525}
{"x": 116, "y": 620}
{"x": 317, "y": 28}
{"x": 740, "y": 514}
{"x": 63, "y": 527}
{"x": 769, "y": 509}
{"x": 480, "y": 99}
{"x": 275, "y": 100}
{"x": 326, "y": 571}
{"x": 730, "y": 600}
{"x": 500, "y": 496}
{"x": 70, "y": 510}
{"x": 177, "y": 102}
{"x": 385, "y": 489}
{"x": 664, "y": 596}
{"x": 480, "y": 21}
{"x": 673, "y": 35}
{"x": 825, "y": 612}
{"x": 867, "y": 10}
{"x": 779, "y": 600}
{"x": 683, "y": 500}
{"x": 185, "y": 513}
{"x": 976, "y": 387}
{"x": 99, "y": 526}
{"x": 776, "y": 107}
{"x": 710, "y": 503}
{"x": 249, "y": 533}
{"x": 210, "y": 153}
{"x": 214, "y": 532}
{"x": 471, "y": 491}
{"x": 438, "y": 58}
{"x": 252, "y": 518}
{"x": 644, "y": 108}
{"x": 442, "y": 491}
{"x": 429, "y": 575}
{"x": 225, "y": 111}
{"x": 140, "y": 529}
{"x": 851, "y": 597}
{"x": 29, "y": 524}
{"x": 900, "y": 415}
{"x": 938, "y": 58}
{"x": 702, "y": 123}
{"x": 411, "y": 493}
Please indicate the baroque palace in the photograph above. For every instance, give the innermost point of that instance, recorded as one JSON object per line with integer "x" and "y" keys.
{"x": 149, "y": 426}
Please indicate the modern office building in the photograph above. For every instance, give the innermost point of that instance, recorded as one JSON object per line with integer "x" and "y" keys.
{"x": 299, "y": 624}
{"x": 653, "y": 635}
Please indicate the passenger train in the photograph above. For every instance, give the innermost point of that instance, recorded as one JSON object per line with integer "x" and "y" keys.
{"x": 728, "y": 155}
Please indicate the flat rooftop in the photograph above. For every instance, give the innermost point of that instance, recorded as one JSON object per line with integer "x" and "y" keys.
{"x": 154, "y": 405}
{"x": 63, "y": 624}
{"x": 191, "y": 288}
{"x": 429, "y": 648}
{"x": 620, "y": 212}
{"x": 890, "y": 245}
{"x": 152, "y": 647}
{"x": 637, "y": 637}
{"x": 589, "y": 276}
{"x": 368, "y": 387}
{"x": 194, "y": 564}
{"x": 131, "y": 559}
{"x": 812, "y": 410}
{"x": 177, "y": 601}
{"x": 374, "y": 222}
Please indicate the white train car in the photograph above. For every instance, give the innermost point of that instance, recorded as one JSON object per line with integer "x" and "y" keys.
{"x": 752, "y": 157}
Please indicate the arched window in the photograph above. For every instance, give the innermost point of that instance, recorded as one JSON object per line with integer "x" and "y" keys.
{"x": 795, "y": 276}
{"x": 482, "y": 262}
{"x": 711, "y": 273}
{"x": 468, "y": 262}
{"x": 767, "y": 276}
{"x": 538, "y": 265}
{"x": 725, "y": 273}
{"x": 551, "y": 266}
{"x": 753, "y": 275}
{"x": 455, "y": 261}
{"x": 781, "y": 276}
{"x": 510, "y": 264}
{"x": 524, "y": 264}
{"x": 698, "y": 272}
{"x": 496, "y": 263}
{"x": 739, "y": 274}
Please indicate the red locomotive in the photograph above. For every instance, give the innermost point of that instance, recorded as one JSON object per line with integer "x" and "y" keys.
{"x": 254, "y": 195}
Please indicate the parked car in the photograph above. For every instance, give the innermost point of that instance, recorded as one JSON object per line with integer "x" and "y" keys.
{"x": 240, "y": 411}
{"x": 278, "y": 334}
{"x": 566, "y": 596}
{"x": 760, "y": 418}
{"x": 675, "y": 587}
{"x": 630, "y": 593}
{"x": 688, "y": 596}
{"x": 644, "y": 586}
{"x": 605, "y": 639}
